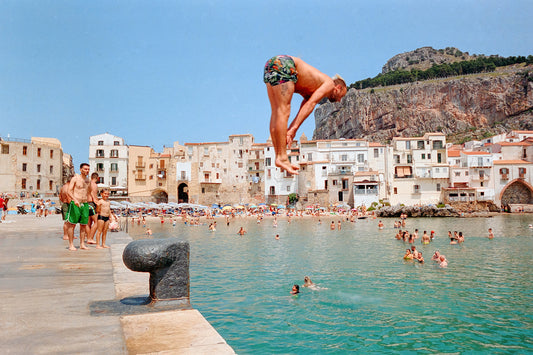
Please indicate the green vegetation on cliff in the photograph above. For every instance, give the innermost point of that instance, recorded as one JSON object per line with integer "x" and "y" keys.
{"x": 479, "y": 65}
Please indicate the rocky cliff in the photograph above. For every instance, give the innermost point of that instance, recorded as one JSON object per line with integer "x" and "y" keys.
{"x": 468, "y": 107}
{"x": 425, "y": 57}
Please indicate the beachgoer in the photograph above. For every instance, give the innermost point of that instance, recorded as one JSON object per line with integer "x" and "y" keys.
{"x": 408, "y": 255}
{"x": 92, "y": 200}
{"x": 414, "y": 251}
{"x": 65, "y": 200}
{"x": 104, "y": 213}
{"x": 78, "y": 210}
{"x": 380, "y": 225}
{"x": 420, "y": 258}
{"x": 285, "y": 75}
{"x": 277, "y": 236}
{"x": 339, "y": 225}
{"x": 425, "y": 238}
{"x": 148, "y": 232}
{"x": 241, "y": 231}
{"x": 491, "y": 234}
{"x": 443, "y": 261}
{"x": 432, "y": 235}
{"x": 2, "y": 208}
{"x": 308, "y": 282}
{"x": 295, "y": 290}
{"x": 436, "y": 256}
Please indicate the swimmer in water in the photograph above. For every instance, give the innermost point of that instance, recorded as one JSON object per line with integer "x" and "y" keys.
{"x": 380, "y": 225}
{"x": 420, "y": 258}
{"x": 295, "y": 290}
{"x": 443, "y": 262}
{"x": 308, "y": 282}
{"x": 425, "y": 238}
{"x": 408, "y": 255}
{"x": 332, "y": 226}
{"x": 241, "y": 231}
{"x": 491, "y": 234}
{"x": 148, "y": 232}
{"x": 277, "y": 236}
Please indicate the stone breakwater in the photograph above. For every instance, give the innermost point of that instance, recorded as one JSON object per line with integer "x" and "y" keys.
{"x": 417, "y": 211}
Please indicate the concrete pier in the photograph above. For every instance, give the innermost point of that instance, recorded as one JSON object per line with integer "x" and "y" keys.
{"x": 85, "y": 301}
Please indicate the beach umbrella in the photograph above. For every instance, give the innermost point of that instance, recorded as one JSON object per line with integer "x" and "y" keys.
{"x": 214, "y": 205}
{"x": 281, "y": 206}
{"x": 252, "y": 206}
{"x": 226, "y": 208}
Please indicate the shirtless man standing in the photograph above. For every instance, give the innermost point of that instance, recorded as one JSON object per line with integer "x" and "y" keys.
{"x": 65, "y": 200}
{"x": 285, "y": 75}
{"x": 92, "y": 200}
{"x": 78, "y": 209}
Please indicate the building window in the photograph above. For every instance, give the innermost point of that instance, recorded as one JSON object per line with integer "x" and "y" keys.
{"x": 24, "y": 150}
{"x": 100, "y": 142}
{"x": 345, "y": 184}
{"x": 407, "y": 144}
{"x": 288, "y": 189}
{"x": 203, "y": 190}
{"x": 396, "y": 159}
{"x": 206, "y": 151}
{"x": 409, "y": 158}
{"x": 423, "y": 156}
{"x": 50, "y": 185}
{"x": 344, "y": 157}
{"x": 416, "y": 188}
{"x": 437, "y": 144}
{"x": 51, "y": 154}
{"x": 100, "y": 167}
{"x": 39, "y": 152}
{"x": 420, "y": 144}
{"x": 240, "y": 165}
{"x": 51, "y": 169}
{"x": 116, "y": 143}
{"x": 38, "y": 184}
{"x": 268, "y": 161}
{"x": 438, "y": 187}
{"x": 309, "y": 156}
{"x": 114, "y": 153}
{"x": 114, "y": 167}
{"x": 100, "y": 180}
{"x": 360, "y": 158}
{"x": 376, "y": 153}
{"x": 100, "y": 153}
{"x": 23, "y": 184}
{"x": 272, "y": 190}
{"x": 24, "y": 166}
{"x": 152, "y": 165}
{"x": 151, "y": 177}
{"x": 396, "y": 191}
{"x": 38, "y": 168}
{"x": 113, "y": 181}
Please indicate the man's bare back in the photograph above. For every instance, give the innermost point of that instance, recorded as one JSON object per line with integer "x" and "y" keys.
{"x": 63, "y": 193}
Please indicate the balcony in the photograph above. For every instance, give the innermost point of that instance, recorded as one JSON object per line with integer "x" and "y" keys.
{"x": 505, "y": 177}
{"x": 140, "y": 177}
{"x": 522, "y": 176}
{"x": 403, "y": 176}
{"x": 140, "y": 165}
{"x": 211, "y": 181}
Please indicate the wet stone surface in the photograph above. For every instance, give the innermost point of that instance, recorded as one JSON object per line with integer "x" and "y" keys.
{"x": 167, "y": 261}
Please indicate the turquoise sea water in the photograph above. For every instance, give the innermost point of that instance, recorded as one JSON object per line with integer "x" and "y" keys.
{"x": 370, "y": 300}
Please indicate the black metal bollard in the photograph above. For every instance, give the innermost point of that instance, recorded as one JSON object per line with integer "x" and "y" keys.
{"x": 167, "y": 261}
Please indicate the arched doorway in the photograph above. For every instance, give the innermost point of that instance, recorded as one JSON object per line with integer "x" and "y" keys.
{"x": 517, "y": 192}
{"x": 160, "y": 196}
{"x": 183, "y": 193}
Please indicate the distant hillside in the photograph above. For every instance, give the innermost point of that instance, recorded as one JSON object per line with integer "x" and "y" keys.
{"x": 425, "y": 57}
{"x": 463, "y": 107}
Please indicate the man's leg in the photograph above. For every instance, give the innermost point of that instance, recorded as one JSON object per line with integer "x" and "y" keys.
{"x": 70, "y": 233}
{"x": 83, "y": 231}
{"x": 280, "y": 102}
{"x": 92, "y": 226}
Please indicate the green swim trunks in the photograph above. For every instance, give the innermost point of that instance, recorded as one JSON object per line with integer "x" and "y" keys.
{"x": 77, "y": 214}
{"x": 280, "y": 69}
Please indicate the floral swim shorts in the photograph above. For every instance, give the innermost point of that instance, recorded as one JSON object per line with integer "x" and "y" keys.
{"x": 280, "y": 69}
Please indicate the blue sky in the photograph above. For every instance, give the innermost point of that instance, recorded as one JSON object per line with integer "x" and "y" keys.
{"x": 155, "y": 72}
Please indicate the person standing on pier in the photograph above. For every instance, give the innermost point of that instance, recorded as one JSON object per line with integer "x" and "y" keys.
{"x": 78, "y": 210}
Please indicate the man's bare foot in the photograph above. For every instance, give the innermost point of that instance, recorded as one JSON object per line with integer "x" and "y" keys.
{"x": 91, "y": 242}
{"x": 72, "y": 248}
{"x": 285, "y": 164}
{"x": 105, "y": 246}
{"x": 99, "y": 247}
{"x": 83, "y": 247}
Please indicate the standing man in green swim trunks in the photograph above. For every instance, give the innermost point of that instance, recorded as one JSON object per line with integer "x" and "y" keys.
{"x": 285, "y": 75}
{"x": 78, "y": 209}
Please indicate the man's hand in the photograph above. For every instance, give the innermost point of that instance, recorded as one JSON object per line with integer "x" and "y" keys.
{"x": 290, "y": 136}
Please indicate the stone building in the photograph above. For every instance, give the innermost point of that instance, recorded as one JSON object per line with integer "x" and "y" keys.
{"x": 216, "y": 172}
{"x": 31, "y": 166}
{"x": 108, "y": 156}
{"x": 418, "y": 170}
{"x": 147, "y": 174}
